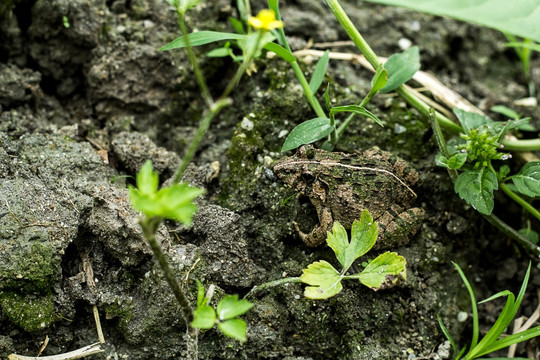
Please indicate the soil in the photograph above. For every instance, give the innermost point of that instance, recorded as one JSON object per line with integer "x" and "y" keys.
{"x": 86, "y": 98}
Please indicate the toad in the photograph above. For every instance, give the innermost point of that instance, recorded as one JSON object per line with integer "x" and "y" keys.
{"x": 341, "y": 185}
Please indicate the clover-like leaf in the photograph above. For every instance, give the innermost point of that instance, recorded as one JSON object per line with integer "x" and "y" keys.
{"x": 527, "y": 180}
{"x": 476, "y": 188}
{"x": 324, "y": 279}
{"x": 204, "y": 317}
{"x": 386, "y": 270}
{"x": 230, "y": 307}
{"x": 235, "y": 328}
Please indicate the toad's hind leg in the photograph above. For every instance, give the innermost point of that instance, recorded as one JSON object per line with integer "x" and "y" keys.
{"x": 397, "y": 227}
{"x": 318, "y": 235}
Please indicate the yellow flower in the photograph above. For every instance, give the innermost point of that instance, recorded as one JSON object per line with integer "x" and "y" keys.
{"x": 265, "y": 21}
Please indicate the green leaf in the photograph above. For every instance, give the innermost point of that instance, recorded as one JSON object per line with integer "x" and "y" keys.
{"x": 514, "y": 339}
{"x": 230, "y": 307}
{"x": 401, "y": 68}
{"x": 506, "y": 111}
{"x": 318, "y": 74}
{"x": 386, "y": 270}
{"x": 363, "y": 237}
{"x": 176, "y": 202}
{"x": 380, "y": 79}
{"x": 235, "y": 328}
{"x": 185, "y": 5}
{"x": 219, "y": 52}
{"x": 527, "y": 180}
{"x": 456, "y": 161}
{"x": 147, "y": 179}
{"x": 518, "y": 17}
{"x": 356, "y": 110}
{"x": 327, "y": 96}
{"x": 510, "y": 125}
{"x": 324, "y": 279}
{"x": 307, "y": 132}
{"x": 476, "y": 188}
{"x": 524, "y": 45}
{"x": 504, "y": 171}
{"x": 201, "y": 38}
{"x": 204, "y": 317}
{"x": 281, "y": 52}
{"x": 338, "y": 240}
{"x": 237, "y": 25}
{"x": 530, "y": 234}
{"x": 470, "y": 120}
{"x": 200, "y": 294}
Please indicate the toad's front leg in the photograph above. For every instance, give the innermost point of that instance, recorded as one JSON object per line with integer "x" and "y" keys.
{"x": 318, "y": 235}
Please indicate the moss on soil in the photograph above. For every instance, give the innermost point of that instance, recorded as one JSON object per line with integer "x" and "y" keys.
{"x": 29, "y": 312}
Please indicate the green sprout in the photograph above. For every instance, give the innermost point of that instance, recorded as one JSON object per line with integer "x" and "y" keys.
{"x": 493, "y": 340}
{"x": 225, "y": 315}
{"x": 324, "y": 280}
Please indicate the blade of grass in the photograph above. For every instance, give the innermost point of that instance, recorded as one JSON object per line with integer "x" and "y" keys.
{"x": 473, "y": 305}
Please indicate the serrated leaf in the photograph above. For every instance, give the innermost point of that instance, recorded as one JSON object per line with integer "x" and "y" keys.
{"x": 503, "y": 171}
{"x": 308, "y": 132}
{"x": 356, "y": 110}
{"x": 234, "y": 328}
{"x": 204, "y": 317}
{"x": 201, "y": 38}
{"x": 386, "y": 270}
{"x": 401, "y": 68}
{"x": 470, "y": 120}
{"x": 230, "y": 307}
{"x": 476, "y": 188}
{"x": 527, "y": 180}
{"x": 518, "y": 17}
{"x": 324, "y": 279}
{"x": 176, "y": 202}
{"x": 318, "y": 74}
{"x": 456, "y": 161}
{"x": 338, "y": 240}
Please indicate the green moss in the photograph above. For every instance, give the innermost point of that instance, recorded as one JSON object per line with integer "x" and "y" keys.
{"x": 29, "y": 312}
{"x": 30, "y": 270}
{"x": 123, "y": 312}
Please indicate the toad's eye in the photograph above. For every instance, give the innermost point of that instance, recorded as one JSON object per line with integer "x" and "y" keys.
{"x": 307, "y": 176}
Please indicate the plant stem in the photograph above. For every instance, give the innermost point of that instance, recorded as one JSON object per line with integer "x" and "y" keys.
{"x": 521, "y": 145}
{"x": 439, "y": 137}
{"x": 270, "y": 284}
{"x": 204, "y": 124}
{"x": 192, "y": 59}
{"x": 520, "y": 200}
{"x": 315, "y": 105}
{"x": 353, "y": 33}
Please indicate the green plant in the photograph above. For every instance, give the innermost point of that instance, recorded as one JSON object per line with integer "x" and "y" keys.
{"x": 475, "y": 155}
{"x": 492, "y": 341}
{"x": 225, "y": 315}
{"x": 324, "y": 281}
{"x": 386, "y": 270}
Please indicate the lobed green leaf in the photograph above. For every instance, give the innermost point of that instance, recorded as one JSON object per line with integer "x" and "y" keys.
{"x": 386, "y": 270}
{"x": 235, "y": 328}
{"x": 204, "y": 317}
{"x": 230, "y": 307}
{"x": 324, "y": 279}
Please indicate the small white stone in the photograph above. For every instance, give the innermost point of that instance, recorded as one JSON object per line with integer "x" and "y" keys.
{"x": 462, "y": 316}
{"x": 246, "y": 124}
{"x": 404, "y": 43}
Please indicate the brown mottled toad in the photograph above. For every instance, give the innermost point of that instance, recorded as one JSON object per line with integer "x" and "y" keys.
{"x": 341, "y": 185}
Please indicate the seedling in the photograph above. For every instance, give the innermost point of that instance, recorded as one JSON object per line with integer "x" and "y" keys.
{"x": 225, "y": 315}
{"x": 386, "y": 270}
{"x": 492, "y": 341}
{"x": 474, "y": 156}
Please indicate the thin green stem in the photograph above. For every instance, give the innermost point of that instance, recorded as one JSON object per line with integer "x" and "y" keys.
{"x": 203, "y": 127}
{"x": 270, "y": 284}
{"x": 193, "y": 60}
{"x": 315, "y": 105}
{"x": 520, "y": 200}
{"x": 521, "y": 145}
{"x": 441, "y": 143}
{"x": 149, "y": 227}
{"x": 353, "y": 33}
